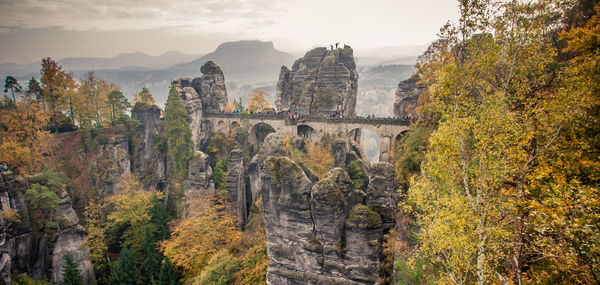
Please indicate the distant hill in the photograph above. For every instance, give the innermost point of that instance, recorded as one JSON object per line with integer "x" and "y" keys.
{"x": 243, "y": 62}
{"x": 126, "y": 60}
{"x": 136, "y": 60}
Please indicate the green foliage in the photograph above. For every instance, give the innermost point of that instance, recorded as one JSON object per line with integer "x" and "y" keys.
{"x": 49, "y": 178}
{"x": 219, "y": 174}
{"x": 118, "y": 105}
{"x": 34, "y": 90}
{"x": 219, "y": 269}
{"x": 409, "y": 151}
{"x": 168, "y": 275}
{"x": 179, "y": 136}
{"x": 10, "y": 83}
{"x": 144, "y": 97}
{"x": 360, "y": 180}
{"x": 70, "y": 273}
{"x": 413, "y": 274}
{"x": 42, "y": 197}
{"x": 150, "y": 267}
{"x": 124, "y": 272}
{"x": 22, "y": 279}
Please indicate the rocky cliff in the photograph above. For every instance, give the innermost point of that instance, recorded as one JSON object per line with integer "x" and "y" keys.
{"x": 23, "y": 249}
{"x": 323, "y": 231}
{"x": 322, "y": 82}
{"x": 407, "y": 96}
{"x": 206, "y": 93}
{"x": 149, "y": 146}
{"x": 237, "y": 194}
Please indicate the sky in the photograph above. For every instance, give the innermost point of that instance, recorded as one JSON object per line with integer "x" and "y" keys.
{"x": 32, "y": 29}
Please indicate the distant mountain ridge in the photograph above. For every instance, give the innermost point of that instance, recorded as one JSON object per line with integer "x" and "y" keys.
{"x": 126, "y": 60}
{"x": 244, "y": 62}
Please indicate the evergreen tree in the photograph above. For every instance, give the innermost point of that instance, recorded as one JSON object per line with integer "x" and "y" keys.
{"x": 118, "y": 105}
{"x": 144, "y": 97}
{"x": 159, "y": 217}
{"x": 124, "y": 272}
{"x": 35, "y": 90}
{"x": 70, "y": 274}
{"x": 168, "y": 275}
{"x": 152, "y": 258}
{"x": 13, "y": 85}
{"x": 179, "y": 136}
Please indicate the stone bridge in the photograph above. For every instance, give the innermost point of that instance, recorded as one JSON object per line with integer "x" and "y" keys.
{"x": 313, "y": 127}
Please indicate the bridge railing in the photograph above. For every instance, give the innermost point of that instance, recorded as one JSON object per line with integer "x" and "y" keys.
{"x": 320, "y": 119}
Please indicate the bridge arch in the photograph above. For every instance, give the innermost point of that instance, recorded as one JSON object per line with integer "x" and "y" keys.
{"x": 368, "y": 140}
{"x": 307, "y": 132}
{"x": 233, "y": 126}
{"x": 259, "y": 132}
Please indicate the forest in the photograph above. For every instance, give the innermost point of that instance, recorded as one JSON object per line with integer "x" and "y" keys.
{"x": 499, "y": 173}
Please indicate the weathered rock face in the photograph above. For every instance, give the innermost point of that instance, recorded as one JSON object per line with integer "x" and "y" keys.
{"x": 206, "y": 93}
{"x": 109, "y": 165}
{"x": 72, "y": 242}
{"x": 200, "y": 183}
{"x": 325, "y": 232}
{"x": 23, "y": 251}
{"x": 236, "y": 188}
{"x": 149, "y": 162}
{"x": 382, "y": 192}
{"x": 193, "y": 105}
{"x": 407, "y": 96}
{"x": 322, "y": 82}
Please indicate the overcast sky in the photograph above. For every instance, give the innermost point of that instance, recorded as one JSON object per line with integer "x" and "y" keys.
{"x": 32, "y": 29}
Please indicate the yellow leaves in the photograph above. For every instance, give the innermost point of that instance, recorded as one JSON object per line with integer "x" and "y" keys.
{"x": 132, "y": 203}
{"x": 257, "y": 101}
{"x": 196, "y": 238}
{"x": 319, "y": 158}
{"x": 23, "y": 135}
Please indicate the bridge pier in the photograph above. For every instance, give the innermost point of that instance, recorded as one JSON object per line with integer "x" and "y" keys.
{"x": 385, "y": 145}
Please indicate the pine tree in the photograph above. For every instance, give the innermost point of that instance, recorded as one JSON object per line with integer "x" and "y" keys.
{"x": 152, "y": 258}
{"x": 168, "y": 275}
{"x": 124, "y": 272}
{"x": 179, "y": 136}
{"x": 70, "y": 274}
{"x": 118, "y": 105}
{"x": 159, "y": 217}
{"x": 144, "y": 97}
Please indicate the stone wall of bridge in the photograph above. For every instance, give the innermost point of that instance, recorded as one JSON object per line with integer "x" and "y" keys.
{"x": 385, "y": 129}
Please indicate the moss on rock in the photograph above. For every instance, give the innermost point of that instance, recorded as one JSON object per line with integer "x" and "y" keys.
{"x": 362, "y": 216}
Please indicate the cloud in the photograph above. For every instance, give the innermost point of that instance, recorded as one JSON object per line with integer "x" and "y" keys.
{"x": 102, "y": 15}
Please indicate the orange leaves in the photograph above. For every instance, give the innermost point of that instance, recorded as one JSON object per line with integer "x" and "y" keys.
{"x": 257, "y": 101}
{"x": 319, "y": 158}
{"x": 23, "y": 135}
{"x": 196, "y": 238}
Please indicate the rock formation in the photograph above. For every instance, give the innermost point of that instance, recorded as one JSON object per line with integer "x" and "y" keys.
{"x": 407, "y": 96}
{"x": 206, "y": 93}
{"x": 107, "y": 176}
{"x": 149, "y": 161}
{"x": 322, "y": 82}
{"x": 200, "y": 183}
{"x": 236, "y": 188}
{"x": 22, "y": 250}
{"x": 323, "y": 232}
